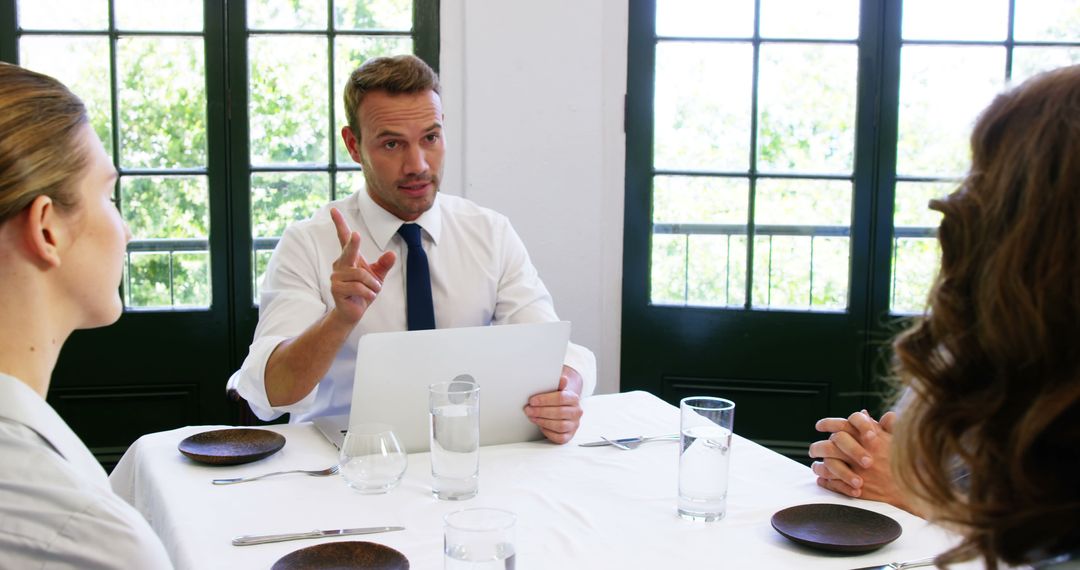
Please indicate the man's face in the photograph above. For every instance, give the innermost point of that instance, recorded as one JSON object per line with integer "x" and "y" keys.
{"x": 400, "y": 149}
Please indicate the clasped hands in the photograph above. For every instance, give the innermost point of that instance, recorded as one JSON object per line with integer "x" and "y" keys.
{"x": 354, "y": 284}
{"x": 855, "y": 459}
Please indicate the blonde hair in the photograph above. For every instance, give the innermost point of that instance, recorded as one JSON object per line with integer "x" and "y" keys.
{"x": 39, "y": 149}
{"x": 988, "y": 440}
{"x": 401, "y": 74}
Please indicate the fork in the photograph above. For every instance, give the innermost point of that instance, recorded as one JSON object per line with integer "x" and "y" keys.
{"x": 616, "y": 443}
{"x": 901, "y": 565}
{"x": 635, "y": 443}
{"x": 314, "y": 473}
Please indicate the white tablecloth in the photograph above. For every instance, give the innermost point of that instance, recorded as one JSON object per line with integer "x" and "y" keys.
{"x": 577, "y": 507}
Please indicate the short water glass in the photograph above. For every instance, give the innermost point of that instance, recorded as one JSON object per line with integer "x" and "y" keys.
{"x": 454, "y": 410}
{"x": 705, "y": 426}
{"x": 371, "y": 458}
{"x": 479, "y": 539}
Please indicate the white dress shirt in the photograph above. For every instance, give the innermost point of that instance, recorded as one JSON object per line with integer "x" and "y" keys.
{"x": 480, "y": 275}
{"x": 57, "y": 509}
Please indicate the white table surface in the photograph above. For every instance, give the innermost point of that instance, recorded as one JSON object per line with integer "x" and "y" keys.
{"x": 577, "y": 507}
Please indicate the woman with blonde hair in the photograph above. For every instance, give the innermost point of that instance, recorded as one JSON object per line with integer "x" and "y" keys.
{"x": 62, "y": 248}
{"x": 988, "y": 436}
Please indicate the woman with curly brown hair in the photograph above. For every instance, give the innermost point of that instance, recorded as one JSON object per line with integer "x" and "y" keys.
{"x": 988, "y": 436}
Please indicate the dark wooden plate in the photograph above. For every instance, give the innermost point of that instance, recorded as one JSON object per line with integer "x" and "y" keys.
{"x": 232, "y": 446}
{"x": 351, "y": 555}
{"x": 838, "y": 528}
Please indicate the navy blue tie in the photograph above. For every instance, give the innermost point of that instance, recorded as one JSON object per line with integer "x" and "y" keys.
{"x": 419, "y": 311}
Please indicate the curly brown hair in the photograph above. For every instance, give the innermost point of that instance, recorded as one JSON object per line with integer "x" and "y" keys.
{"x": 989, "y": 436}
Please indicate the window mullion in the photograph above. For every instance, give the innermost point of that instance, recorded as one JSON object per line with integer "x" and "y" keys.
{"x": 9, "y": 40}
{"x": 752, "y": 187}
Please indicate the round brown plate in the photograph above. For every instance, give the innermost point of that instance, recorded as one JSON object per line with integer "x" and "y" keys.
{"x": 353, "y": 555}
{"x": 838, "y": 528}
{"x": 232, "y": 446}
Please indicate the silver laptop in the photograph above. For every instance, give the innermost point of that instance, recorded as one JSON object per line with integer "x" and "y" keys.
{"x": 509, "y": 362}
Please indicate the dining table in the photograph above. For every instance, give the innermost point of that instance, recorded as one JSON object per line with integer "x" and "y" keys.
{"x": 576, "y": 507}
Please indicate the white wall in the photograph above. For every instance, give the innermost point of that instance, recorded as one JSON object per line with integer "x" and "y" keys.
{"x": 533, "y": 95}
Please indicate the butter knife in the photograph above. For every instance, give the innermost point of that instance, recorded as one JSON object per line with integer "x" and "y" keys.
{"x": 248, "y": 540}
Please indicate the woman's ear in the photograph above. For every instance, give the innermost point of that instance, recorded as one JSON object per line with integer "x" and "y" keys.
{"x": 43, "y": 232}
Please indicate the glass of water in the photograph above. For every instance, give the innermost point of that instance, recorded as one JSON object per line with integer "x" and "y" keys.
{"x": 454, "y": 408}
{"x": 479, "y": 539}
{"x": 704, "y": 457}
{"x": 371, "y": 458}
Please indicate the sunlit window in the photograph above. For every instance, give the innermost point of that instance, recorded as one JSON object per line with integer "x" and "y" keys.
{"x": 754, "y": 139}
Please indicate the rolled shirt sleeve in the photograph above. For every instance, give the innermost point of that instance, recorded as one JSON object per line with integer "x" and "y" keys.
{"x": 290, "y": 300}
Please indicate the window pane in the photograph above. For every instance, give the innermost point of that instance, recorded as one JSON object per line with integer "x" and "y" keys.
{"x": 348, "y": 182}
{"x": 912, "y": 199}
{"x": 278, "y": 199}
{"x": 831, "y": 268}
{"x": 956, "y": 19}
{"x": 700, "y": 199}
{"x": 174, "y": 15}
{"x": 807, "y": 96}
{"x": 942, "y": 91}
{"x": 804, "y": 271}
{"x": 837, "y": 19}
{"x": 782, "y": 272}
{"x": 803, "y": 202}
{"x": 668, "y": 280}
{"x": 260, "y": 259}
{"x": 717, "y": 270}
{"x": 1028, "y": 61}
{"x": 166, "y": 207}
{"x": 63, "y": 14}
{"x": 384, "y": 15}
{"x": 286, "y": 14}
{"x": 349, "y": 53}
{"x": 1047, "y": 20}
{"x": 148, "y": 280}
{"x": 81, "y": 63}
{"x": 702, "y": 106}
{"x": 191, "y": 279}
{"x": 162, "y": 100}
{"x": 288, "y": 98}
{"x": 915, "y": 263}
{"x": 705, "y": 18}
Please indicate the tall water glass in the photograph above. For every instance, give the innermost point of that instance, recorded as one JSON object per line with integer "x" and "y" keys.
{"x": 371, "y": 458}
{"x": 454, "y": 408}
{"x": 704, "y": 456}
{"x": 479, "y": 539}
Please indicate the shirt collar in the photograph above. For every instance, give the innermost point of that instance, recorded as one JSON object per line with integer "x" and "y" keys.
{"x": 20, "y": 404}
{"x": 383, "y": 225}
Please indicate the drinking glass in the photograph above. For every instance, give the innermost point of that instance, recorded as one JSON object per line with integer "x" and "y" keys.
{"x": 454, "y": 408}
{"x": 479, "y": 539}
{"x": 704, "y": 456}
{"x": 371, "y": 458}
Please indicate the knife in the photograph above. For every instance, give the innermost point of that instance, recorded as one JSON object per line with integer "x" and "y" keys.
{"x": 248, "y": 540}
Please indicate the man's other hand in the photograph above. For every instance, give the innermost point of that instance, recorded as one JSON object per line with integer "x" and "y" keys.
{"x": 558, "y": 413}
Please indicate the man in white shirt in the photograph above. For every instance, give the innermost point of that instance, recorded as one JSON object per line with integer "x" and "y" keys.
{"x": 336, "y": 276}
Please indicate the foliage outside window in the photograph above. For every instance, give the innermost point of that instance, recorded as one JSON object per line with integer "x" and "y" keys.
{"x": 754, "y": 139}
{"x": 141, "y": 69}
